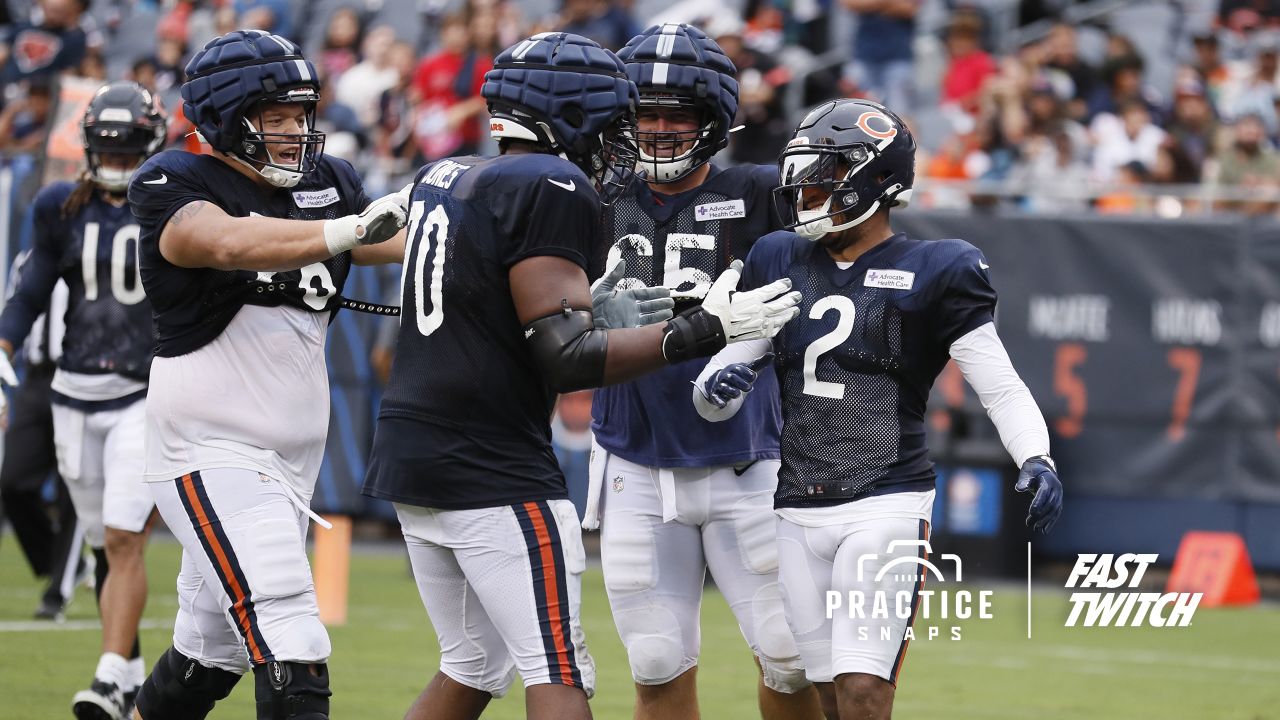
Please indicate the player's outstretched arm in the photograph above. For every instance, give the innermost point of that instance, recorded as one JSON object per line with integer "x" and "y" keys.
{"x": 985, "y": 365}
{"x": 552, "y": 300}
{"x": 201, "y": 235}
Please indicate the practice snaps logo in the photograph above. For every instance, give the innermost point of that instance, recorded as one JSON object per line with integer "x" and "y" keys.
{"x": 1118, "y": 609}
{"x": 892, "y": 588}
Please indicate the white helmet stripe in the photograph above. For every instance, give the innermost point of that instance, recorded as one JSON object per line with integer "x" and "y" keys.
{"x": 302, "y": 69}
{"x": 660, "y": 73}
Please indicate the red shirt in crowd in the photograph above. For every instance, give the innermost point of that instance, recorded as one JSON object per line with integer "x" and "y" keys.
{"x": 964, "y": 78}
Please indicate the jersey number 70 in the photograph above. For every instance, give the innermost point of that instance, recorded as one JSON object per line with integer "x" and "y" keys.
{"x": 426, "y": 236}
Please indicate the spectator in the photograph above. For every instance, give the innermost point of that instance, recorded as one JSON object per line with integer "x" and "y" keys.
{"x": 1192, "y": 125}
{"x": 604, "y": 21}
{"x": 1122, "y": 198}
{"x": 143, "y": 72}
{"x": 344, "y": 135}
{"x": 24, "y": 123}
{"x": 969, "y": 65}
{"x": 57, "y": 43}
{"x": 449, "y": 83}
{"x": 1257, "y": 94}
{"x": 1120, "y": 140}
{"x": 395, "y": 146}
{"x": 1122, "y": 82}
{"x": 1251, "y": 160}
{"x": 1061, "y": 53}
{"x": 341, "y": 40}
{"x": 1208, "y": 64}
{"x": 1053, "y": 174}
{"x": 170, "y": 61}
{"x": 93, "y": 66}
{"x": 360, "y": 87}
{"x": 883, "y": 61}
{"x": 274, "y": 16}
{"x": 761, "y": 83}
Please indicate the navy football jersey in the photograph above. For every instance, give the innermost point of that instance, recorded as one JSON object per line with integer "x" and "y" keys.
{"x": 194, "y": 305}
{"x": 95, "y": 251}
{"x": 857, "y": 364}
{"x": 465, "y": 419}
{"x": 684, "y": 242}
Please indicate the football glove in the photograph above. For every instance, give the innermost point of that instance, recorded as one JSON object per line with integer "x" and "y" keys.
{"x": 1040, "y": 475}
{"x": 727, "y": 316}
{"x": 750, "y": 314}
{"x": 8, "y": 379}
{"x": 732, "y": 381}
{"x": 635, "y": 307}
{"x": 378, "y": 223}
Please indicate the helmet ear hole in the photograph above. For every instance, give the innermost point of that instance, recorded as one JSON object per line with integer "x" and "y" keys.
{"x": 573, "y": 115}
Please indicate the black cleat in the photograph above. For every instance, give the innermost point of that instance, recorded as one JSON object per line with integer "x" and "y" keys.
{"x": 51, "y": 610}
{"x": 102, "y": 701}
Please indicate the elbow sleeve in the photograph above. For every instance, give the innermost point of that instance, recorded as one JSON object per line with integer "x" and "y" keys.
{"x": 569, "y": 351}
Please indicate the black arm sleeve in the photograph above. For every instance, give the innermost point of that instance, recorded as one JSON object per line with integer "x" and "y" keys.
{"x": 569, "y": 351}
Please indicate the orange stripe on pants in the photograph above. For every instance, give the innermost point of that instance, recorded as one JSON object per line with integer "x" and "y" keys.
{"x": 224, "y": 564}
{"x": 554, "y": 600}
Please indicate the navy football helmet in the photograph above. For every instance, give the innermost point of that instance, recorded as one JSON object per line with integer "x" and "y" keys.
{"x": 568, "y": 94}
{"x": 679, "y": 66}
{"x": 121, "y": 119}
{"x": 229, "y": 82}
{"x": 856, "y": 152}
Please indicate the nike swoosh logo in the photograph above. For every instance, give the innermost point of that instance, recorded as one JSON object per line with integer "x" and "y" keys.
{"x": 983, "y": 265}
{"x": 567, "y": 186}
{"x": 162, "y": 180}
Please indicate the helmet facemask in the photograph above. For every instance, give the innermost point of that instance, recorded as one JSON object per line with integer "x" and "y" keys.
{"x": 613, "y": 166}
{"x": 115, "y": 132}
{"x": 282, "y": 157}
{"x": 667, "y": 156}
{"x": 846, "y": 176}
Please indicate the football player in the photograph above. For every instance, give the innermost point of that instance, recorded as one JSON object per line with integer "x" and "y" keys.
{"x": 86, "y": 235}
{"x": 682, "y": 494}
{"x": 881, "y": 314}
{"x": 497, "y": 319}
{"x": 244, "y": 254}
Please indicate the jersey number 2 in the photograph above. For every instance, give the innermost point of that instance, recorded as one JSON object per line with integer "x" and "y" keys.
{"x": 425, "y": 235}
{"x": 832, "y": 340}
{"x": 126, "y": 293}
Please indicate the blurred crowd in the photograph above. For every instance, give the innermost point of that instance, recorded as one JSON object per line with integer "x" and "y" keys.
{"x": 1038, "y": 125}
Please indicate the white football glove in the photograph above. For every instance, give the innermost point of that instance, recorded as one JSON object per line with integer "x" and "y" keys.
{"x": 750, "y": 314}
{"x": 378, "y": 223}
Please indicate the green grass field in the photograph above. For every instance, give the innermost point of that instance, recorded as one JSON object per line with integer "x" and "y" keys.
{"x": 1225, "y": 666}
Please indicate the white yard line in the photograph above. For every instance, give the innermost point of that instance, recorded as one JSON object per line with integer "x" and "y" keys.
{"x": 32, "y": 626}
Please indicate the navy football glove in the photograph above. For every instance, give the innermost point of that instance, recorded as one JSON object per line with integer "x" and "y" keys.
{"x": 1040, "y": 475}
{"x": 732, "y": 381}
{"x": 636, "y": 307}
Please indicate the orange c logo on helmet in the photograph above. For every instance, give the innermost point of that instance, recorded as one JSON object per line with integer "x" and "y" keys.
{"x": 864, "y": 124}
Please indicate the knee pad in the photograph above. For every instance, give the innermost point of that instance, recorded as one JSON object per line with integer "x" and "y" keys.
{"x": 784, "y": 676}
{"x": 179, "y": 688}
{"x": 655, "y": 659}
{"x": 292, "y": 691}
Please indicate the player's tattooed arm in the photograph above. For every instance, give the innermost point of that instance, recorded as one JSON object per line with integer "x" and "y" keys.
{"x": 186, "y": 212}
{"x": 202, "y": 235}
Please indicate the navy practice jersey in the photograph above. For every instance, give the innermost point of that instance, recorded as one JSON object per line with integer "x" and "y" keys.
{"x": 194, "y": 305}
{"x": 465, "y": 419}
{"x": 684, "y": 242}
{"x": 857, "y": 364}
{"x": 95, "y": 251}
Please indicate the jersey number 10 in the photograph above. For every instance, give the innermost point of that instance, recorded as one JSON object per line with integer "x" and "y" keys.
{"x": 126, "y": 293}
